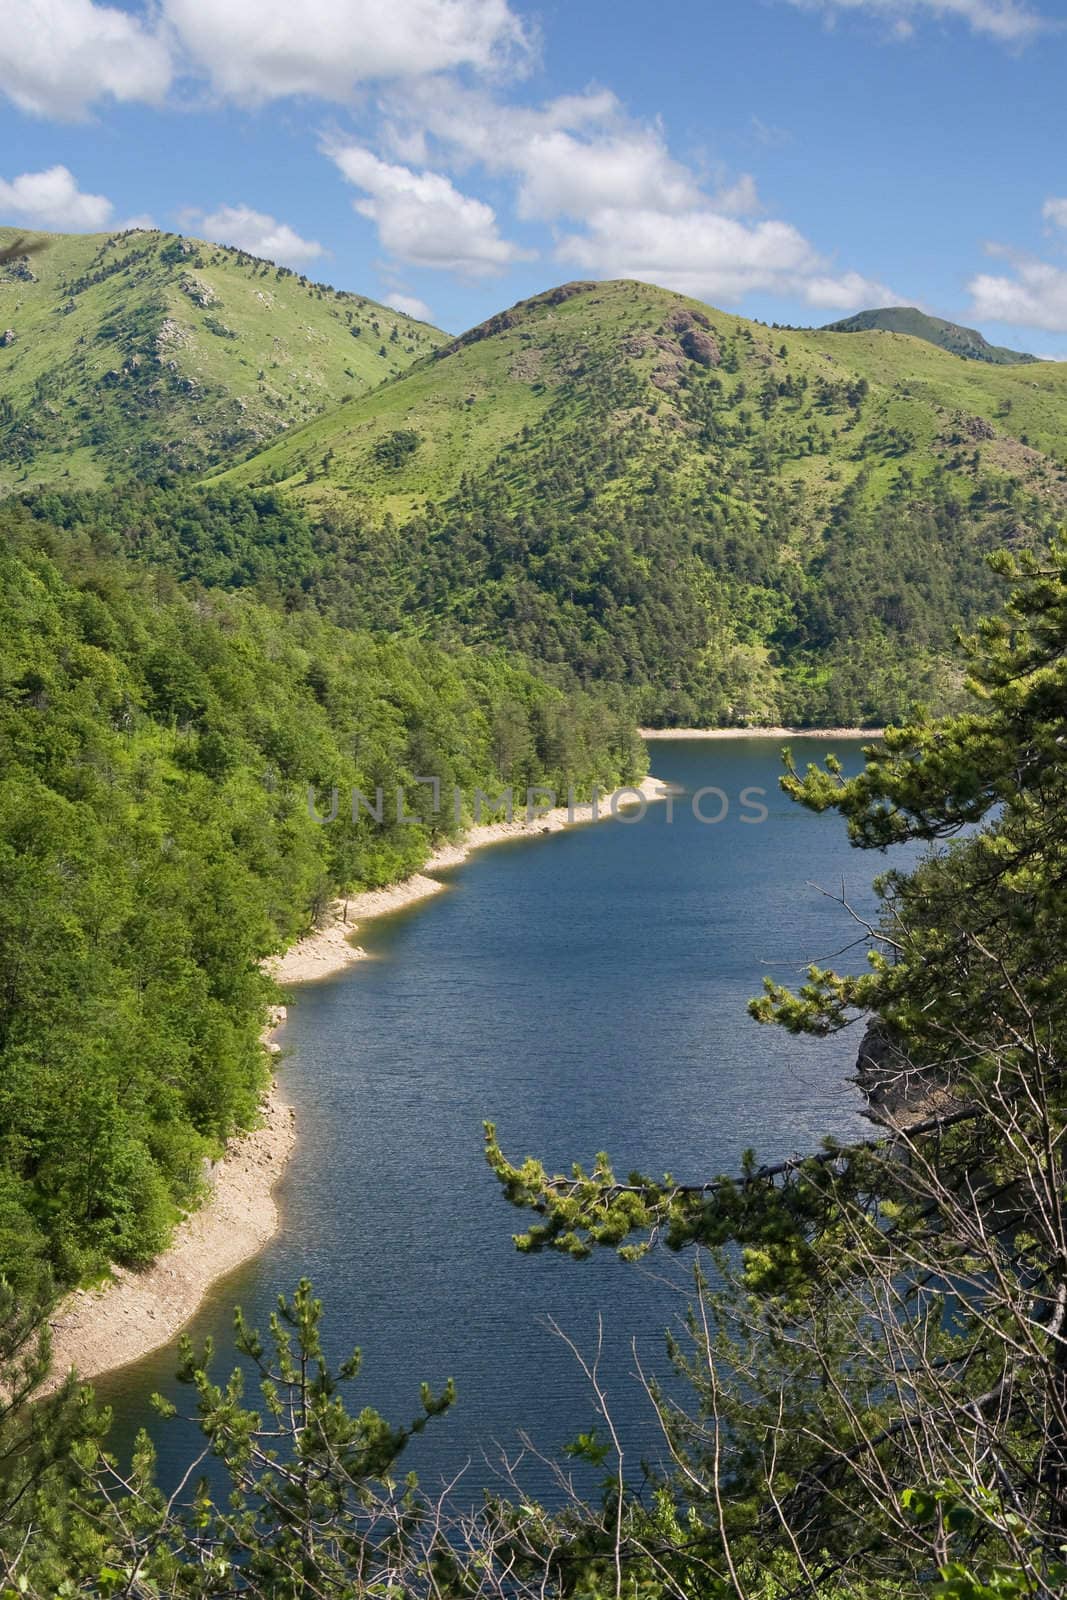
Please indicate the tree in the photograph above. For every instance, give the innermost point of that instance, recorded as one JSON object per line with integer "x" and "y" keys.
{"x": 894, "y": 1312}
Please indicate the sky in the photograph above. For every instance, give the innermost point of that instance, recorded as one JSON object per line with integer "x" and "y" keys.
{"x": 793, "y": 160}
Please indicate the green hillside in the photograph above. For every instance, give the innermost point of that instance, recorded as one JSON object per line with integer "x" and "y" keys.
{"x": 551, "y": 358}
{"x": 951, "y": 336}
{"x": 137, "y": 353}
{"x": 742, "y": 523}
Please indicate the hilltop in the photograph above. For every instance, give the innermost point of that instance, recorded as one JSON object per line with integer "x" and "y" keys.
{"x": 131, "y": 354}
{"x": 738, "y": 524}
{"x": 951, "y": 336}
{"x": 654, "y": 366}
{"x": 746, "y": 524}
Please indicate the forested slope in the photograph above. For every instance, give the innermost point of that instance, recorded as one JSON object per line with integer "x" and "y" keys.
{"x": 156, "y": 843}
{"x": 743, "y": 524}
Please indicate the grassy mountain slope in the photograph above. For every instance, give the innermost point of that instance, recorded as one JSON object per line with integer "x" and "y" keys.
{"x": 550, "y": 363}
{"x": 140, "y": 352}
{"x": 951, "y": 336}
{"x": 742, "y": 524}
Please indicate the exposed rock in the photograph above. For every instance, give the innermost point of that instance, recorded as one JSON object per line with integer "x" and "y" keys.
{"x": 637, "y": 344}
{"x": 897, "y": 1090}
{"x": 8, "y": 337}
{"x": 171, "y": 335}
{"x": 199, "y": 292}
{"x": 526, "y": 367}
{"x": 565, "y": 291}
{"x": 682, "y": 318}
{"x": 700, "y": 347}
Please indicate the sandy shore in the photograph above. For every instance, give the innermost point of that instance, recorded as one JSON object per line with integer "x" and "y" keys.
{"x": 137, "y": 1312}
{"x": 330, "y": 948}
{"x": 97, "y": 1329}
{"x": 761, "y": 733}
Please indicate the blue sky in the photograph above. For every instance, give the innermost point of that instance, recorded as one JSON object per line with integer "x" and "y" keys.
{"x": 792, "y": 159}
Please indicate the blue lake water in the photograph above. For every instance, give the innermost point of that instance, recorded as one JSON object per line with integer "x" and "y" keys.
{"x": 586, "y": 992}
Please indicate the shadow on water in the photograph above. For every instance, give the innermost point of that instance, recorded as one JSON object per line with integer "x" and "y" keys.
{"x": 586, "y": 992}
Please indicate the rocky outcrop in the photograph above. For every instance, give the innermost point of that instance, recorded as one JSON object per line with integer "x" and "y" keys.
{"x": 897, "y": 1090}
{"x": 8, "y": 337}
{"x": 683, "y": 317}
{"x": 700, "y": 347}
{"x": 199, "y": 291}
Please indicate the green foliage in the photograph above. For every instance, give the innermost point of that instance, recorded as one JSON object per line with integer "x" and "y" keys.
{"x": 143, "y": 354}
{"x": 748, "y": 537}
{"x": 156, "y": 842}
{"x": 965, "y": 342}
{"x": 396, "y": 447}
{"x": 901, "y": 1299}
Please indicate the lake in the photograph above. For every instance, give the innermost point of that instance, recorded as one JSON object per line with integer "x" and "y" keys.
{"x": 585, "y": 991}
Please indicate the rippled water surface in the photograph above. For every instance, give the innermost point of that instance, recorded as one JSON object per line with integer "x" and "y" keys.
{"x": 587, "y": 992}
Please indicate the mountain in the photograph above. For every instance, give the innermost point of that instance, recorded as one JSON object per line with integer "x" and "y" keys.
{"x": 135, "y": 353}
{"x": 740, "y": 524}
{"x": 959, "y": 341}
{"x": 655, "y": 366}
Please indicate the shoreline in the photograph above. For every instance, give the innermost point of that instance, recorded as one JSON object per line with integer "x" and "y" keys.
{"x": 137, "y": 1312}
{"x": 329, "y": 949}
{"x": 760, "y": 733}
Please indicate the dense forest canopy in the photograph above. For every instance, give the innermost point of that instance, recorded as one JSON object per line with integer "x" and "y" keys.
{"x": 687, "y": 611}
{"x": 156, "y": 843}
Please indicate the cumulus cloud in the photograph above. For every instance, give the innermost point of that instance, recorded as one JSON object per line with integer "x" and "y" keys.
{"x": 422, "y": 218}
{"x": 57, "y": 57}
{"x": 571, "y": 156}
{"x": 257, "y": 232}
{"x": 258, "y": 50}
{"x": 847, "y": 291}
{"x": 740, "y": 198}
{"x": 52, "y": 199}
{"x": 627, "y": 206}
{"x": 410, "y": 305}
{"x": 1010, "y": 21}
{"x": 1035, "y": 297}
{"x": 706, "y": 254}
{"x": 1033, "y": 294}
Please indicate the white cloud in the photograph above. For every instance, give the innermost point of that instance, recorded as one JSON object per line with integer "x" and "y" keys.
{"x": 59, "y": 56}
{"x": 635, "y": 210}
{"x": 740, "y": 198}
{"x": 1033, "y": 294}
{"x": 571, "y": 156}
{"x": 410, "y": 305}
{"x": 704, "y": 253}
{"x": 850, "y": 291}
{"x": 1036, "y": 297}
{"x": 258, "y": 50}
{"x": 52, "y": 199}
{"x": 256, "y": 232}
{"x": 1010, "y": 21}
{"x": 422, "y": 218}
